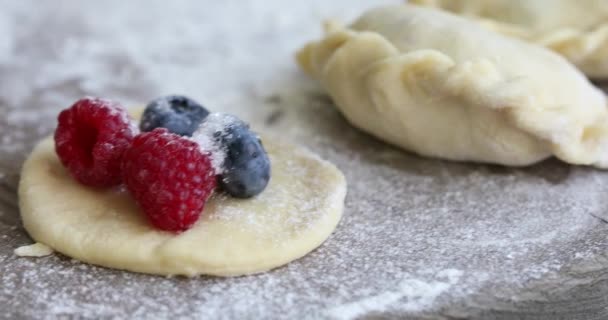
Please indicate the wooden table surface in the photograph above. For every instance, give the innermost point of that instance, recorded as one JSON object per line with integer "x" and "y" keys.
{"x": 420, "y": 238}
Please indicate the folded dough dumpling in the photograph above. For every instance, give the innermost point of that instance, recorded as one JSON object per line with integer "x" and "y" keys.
{"x": 441, "y": 86}
{"x": 577, "y": 29}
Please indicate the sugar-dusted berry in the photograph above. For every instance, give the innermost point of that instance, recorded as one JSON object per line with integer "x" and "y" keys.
{"x": 238, "y": 153}
{"x": 179, "y": 114}
{"x": 169, "y": 177}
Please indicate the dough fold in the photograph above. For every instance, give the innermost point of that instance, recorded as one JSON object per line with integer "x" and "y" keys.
{"x": 441, "y": 86}
{"x": 578, "y": 30}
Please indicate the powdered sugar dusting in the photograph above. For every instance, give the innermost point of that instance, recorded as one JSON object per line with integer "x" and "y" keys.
{"x": 210, "y": 133}
{"x": 413, "y": 295}
{"x": 295, "y": 205}
{"x": 420, "y": 238}
{"x": 163, "y": 106}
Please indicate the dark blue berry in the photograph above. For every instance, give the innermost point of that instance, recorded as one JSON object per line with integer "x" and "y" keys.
{"x": 245, "y": 169}
{"x": 180, "y": 115}
{"x": 246, "y": 166}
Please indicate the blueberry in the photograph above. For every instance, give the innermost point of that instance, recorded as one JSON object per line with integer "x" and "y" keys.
{"x": 245, "y": 166}
{"x": 179, "y": 114}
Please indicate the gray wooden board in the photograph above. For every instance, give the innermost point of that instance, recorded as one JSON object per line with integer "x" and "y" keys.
{"x": 420, "y": 238}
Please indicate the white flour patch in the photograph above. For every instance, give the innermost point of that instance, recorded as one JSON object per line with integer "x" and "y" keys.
{"x": 412, "y": 295}
{"x": 406, "y": 218}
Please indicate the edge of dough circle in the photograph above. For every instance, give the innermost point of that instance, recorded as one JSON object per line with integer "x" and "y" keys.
{"x": 297, "y": 212}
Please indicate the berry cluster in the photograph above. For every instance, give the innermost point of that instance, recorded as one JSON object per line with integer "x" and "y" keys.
{"x": 173, "y": 166}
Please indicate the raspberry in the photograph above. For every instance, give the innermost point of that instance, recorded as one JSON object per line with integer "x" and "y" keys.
{"x": 90, "y": 139}
{"x": 169, "y": 177}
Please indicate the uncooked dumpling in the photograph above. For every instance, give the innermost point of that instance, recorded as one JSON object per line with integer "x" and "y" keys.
{"x": 441, "y": 86}
{"x": 298, "y": 210}
{"x": 577, "y": 29}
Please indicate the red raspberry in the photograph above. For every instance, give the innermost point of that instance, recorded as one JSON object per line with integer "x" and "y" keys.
{"x": 169, "y": 177}
{"x": 90, "y": 139}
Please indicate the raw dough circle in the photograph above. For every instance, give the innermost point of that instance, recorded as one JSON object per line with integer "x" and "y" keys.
{"x": 298, "y": 211}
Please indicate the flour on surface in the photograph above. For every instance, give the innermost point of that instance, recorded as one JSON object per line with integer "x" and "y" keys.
{"x": 510, "y": 232}
{"x": 411, "y": 294}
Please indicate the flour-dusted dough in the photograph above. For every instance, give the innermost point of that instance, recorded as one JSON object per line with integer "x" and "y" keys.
{"x": 299, "y": 209}
{"x": 441, "y": 86}
{"x": 577, "y": 29}
{"x": 33, "y": 250}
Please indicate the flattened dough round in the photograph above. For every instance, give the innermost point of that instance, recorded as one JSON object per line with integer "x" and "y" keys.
{"x": 299, "y": 209}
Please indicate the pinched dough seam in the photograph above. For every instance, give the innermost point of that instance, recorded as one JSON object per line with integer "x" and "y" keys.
{"x": 473, "y": 82}
{"x": 476, "y": 83}
{"x": 578, "y": 46}
{"x": 585, "y": 48}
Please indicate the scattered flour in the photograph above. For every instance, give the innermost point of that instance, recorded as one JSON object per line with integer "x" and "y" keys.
{"x": 502, "y": 232}
{"x": 412, "y": 295}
